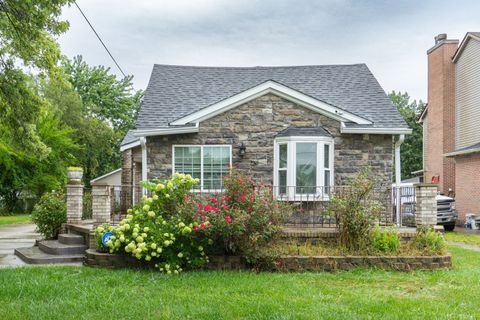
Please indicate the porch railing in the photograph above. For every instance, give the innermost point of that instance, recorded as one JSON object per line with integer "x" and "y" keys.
{"x": 310, "y": 204}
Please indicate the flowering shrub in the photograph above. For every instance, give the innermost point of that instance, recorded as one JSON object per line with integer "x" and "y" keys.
{"x": 242, "y": 219}
{"x": 154, "y": 231}
{"x": 49, "y": 214}
{"x": 355, "y": 211}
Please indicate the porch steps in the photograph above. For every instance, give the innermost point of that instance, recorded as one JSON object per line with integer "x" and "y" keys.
{"x": 69, "y": 248}
{"x": 34, "y": 255}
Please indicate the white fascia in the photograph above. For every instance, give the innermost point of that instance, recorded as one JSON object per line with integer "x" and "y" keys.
{"x": 344, "y": 129}
{"x": 130, "y": 145}
{"x": 279, "y": 90}
{"x": 165, "y": 131}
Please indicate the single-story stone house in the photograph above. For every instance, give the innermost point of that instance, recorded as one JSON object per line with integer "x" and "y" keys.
{"x": 301, "y": 129}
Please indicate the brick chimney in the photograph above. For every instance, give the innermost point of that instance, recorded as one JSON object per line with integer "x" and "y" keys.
{"x": 439, "y": 127}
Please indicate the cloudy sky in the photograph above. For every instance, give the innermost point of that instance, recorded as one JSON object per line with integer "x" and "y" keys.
{"x": 391, "y": 37}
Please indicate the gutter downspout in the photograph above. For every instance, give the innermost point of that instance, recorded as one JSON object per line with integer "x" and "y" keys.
{"x": 143, "y": 143}
{"x": 398, "y": 176}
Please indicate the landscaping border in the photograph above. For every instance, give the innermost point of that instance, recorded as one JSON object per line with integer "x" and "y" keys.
{"x": 289, "y": 263}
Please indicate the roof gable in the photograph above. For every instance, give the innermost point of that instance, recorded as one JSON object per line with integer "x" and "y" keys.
{"x": 469, "y": 36}
{"x": 274, "y": 88}
{"x": 176, "y": 92}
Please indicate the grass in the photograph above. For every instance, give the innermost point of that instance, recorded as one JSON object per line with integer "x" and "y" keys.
{"x": 87, "y": 293}
{"x": 465, "y": 238}
{"x": 17, "y": 218}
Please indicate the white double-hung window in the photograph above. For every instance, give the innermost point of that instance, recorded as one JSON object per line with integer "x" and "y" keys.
{"x": 208, "y": 163}
{"x": 303, "y": 165}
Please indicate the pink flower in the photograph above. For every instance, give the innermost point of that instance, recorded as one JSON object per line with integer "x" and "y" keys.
{"x": 251, "y": 197}
{"x": 204, "y": 218}
{"x": 228, "y": 219}
{"x": 200, "y": 205}
{"x": 196, "y": 215}
{"x": 269, "y": 222}
{"x": 214, "y": 200}
{"x": 202, "y": 225}
{"x": 242, "y": 198}
{"x": 225, "y": 207}
{"x": 197, "y": 228}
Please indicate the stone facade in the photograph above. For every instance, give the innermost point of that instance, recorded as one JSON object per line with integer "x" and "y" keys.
{"x": 101, "y": 204}
{"x": 74, "y": 196}
{"x": 256, "y": 123}
{"x": 426, "y": 204}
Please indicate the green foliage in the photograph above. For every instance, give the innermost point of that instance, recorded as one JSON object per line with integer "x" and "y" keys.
{"x": 49, "y": 214}
{"x": 355, "y": 211}
{"x": 412, "y": 148}
{"x": 245, "y": 218}
{"x": 152, "y": 231}
{"x": 428, "y": 241}
{"x": 386, "y": 240}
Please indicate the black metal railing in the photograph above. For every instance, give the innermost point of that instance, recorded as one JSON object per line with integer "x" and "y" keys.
{"x": 310, "y": 204}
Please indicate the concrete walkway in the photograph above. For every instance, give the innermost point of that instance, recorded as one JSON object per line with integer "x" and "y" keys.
{"x": 464, "y": 245}
{"x": 14, "y": 236}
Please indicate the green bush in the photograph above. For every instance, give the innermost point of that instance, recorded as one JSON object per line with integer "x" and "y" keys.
{"x": 245, "y": 218}
{"x": 355, "y": 211}
{"x": 49, "y": 214}
{"x": 386, "y": 240}
{"x": 428, "y": 241}
{"x": 154, "y": 231}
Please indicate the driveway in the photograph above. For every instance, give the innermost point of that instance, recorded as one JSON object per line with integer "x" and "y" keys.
{"x": 15, "y": 236}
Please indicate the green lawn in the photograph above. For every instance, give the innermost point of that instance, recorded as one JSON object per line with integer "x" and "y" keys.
{"x": 460, "y": 237}
{"x": 18, "y": 218}
{"x": 87, "y": 293}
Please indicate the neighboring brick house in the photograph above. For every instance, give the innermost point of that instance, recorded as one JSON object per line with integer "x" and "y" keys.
{"x": 300, "y": 129}
{"x": 451, "y": 121}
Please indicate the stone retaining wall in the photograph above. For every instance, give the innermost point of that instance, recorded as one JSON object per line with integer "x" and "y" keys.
{"x": 289, "y": 263}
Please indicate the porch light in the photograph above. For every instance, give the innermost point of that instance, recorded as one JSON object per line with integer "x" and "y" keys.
{"x": 242, "y": 150}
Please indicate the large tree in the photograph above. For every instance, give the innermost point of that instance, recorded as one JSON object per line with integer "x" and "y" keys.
{"x": 27, "y": 144}
{"x": 412, "y": 148}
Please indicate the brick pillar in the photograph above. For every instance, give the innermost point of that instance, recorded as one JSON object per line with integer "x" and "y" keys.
{"x": 127, "y": 181}
{"x": 426, "y": 204}
{"x": 101, "y": 204}
{"x": 74, "y": 195}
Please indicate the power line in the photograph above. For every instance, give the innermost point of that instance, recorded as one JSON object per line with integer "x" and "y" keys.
{"x": 103, "y": 44}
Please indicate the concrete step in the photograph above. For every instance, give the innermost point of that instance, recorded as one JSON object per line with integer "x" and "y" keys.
{"x": 55, "y": 247}
{"x": 70, "y": 238}
{"x": 34, "y": 255}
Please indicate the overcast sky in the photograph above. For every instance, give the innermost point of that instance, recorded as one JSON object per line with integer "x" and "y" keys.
{"x": 391, "y": 37}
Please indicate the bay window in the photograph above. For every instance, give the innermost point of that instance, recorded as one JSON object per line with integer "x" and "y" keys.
{"x": 208, "y": 163}
{"x": 303, "y": 167}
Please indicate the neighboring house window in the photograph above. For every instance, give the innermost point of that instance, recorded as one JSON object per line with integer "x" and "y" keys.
{"x": 303, "y": 167}
{"x": 207, "y": 163}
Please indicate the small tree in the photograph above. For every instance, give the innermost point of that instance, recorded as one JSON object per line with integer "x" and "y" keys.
{"x": 355, "y": 211}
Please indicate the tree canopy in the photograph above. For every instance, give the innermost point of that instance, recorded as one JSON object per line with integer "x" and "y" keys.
{"x": 412, "y": 148}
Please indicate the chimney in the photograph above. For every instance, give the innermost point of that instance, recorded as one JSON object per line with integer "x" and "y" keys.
{"x": 440, "y": 37}
{"x": 439, "y": 132}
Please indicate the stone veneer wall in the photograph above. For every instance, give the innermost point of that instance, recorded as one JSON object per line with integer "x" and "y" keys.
{"x": 256, "y": 123}
{"x": 288, "y": 263}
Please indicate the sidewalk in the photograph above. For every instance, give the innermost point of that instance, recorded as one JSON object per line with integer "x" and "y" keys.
{"x": 15, "y": 236}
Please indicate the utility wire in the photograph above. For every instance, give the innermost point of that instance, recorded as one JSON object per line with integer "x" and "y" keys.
{"x": 100, "y": 39}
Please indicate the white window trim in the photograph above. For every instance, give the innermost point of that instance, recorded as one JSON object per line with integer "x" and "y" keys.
{"x": 291, "y": 167}
{"x": 201, "y": 146}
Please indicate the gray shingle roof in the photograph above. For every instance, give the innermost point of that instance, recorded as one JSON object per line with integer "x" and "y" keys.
{"x": 129, "y": 138}
{"x": 176, "y": 91}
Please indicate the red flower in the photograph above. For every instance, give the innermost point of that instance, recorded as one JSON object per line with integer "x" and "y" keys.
{"x": 208, "y": 207}
{"x": 201, "y": 211}
{"x": 214, "y": 200}
{"x": 204, "y": 218}
{"x": 228, "y": 219}
{"x": 251, "y": 197}
{"x": 225, "y": 207}
{"x": 242, "y": 198}
{"x": 196, "y": 215}
{"x": 200, "y": 205}
{"x": 249, "y": 209}
{"x": 202, "y": 225}
{"x": 215, "y": 209}
{"x": 197, "y": 228}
